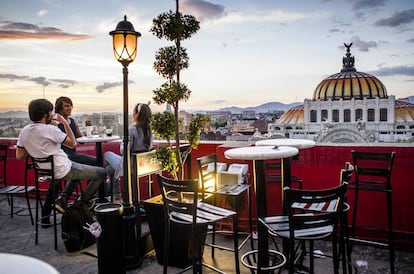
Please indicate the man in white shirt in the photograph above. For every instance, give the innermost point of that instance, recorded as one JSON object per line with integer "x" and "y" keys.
{"x": 41, "y": 139}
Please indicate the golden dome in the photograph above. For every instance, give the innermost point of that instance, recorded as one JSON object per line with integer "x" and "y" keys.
{"x": 349, "y": 83}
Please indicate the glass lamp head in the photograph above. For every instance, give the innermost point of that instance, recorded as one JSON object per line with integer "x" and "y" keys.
{"x": 125, "y": 42}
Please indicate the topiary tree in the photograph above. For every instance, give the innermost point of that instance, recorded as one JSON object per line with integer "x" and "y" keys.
{"x": 169, "y": 61}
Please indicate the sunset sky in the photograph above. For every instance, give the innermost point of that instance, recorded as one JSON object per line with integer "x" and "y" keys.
{"x": 246, "y": 53}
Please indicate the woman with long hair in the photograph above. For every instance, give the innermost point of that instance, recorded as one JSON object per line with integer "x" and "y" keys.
{"x": 140, "y": 140}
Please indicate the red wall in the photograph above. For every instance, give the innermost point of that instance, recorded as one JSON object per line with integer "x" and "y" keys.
{"x": 318, "y": 167}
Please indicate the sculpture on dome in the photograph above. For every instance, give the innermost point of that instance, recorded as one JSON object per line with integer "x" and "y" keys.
{"x": 348, "y": 61}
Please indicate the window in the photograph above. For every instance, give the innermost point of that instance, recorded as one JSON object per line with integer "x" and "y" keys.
{"x": 335, "y": 115}
{"x": 358, "y": 114}
{"x": 347, "y": 115}
{"x": 324, "y": 115}
{"x": 371, "y": 115}
{"x": 313, "y": 116}
{"x": 383, "y": 115}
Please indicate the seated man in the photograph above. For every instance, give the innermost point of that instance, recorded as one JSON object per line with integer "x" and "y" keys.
{"x": 64, "y": 106}
{"x": 41, "y": 139}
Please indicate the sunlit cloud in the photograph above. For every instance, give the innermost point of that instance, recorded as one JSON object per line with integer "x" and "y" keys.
{"x": 364, "y": 45}
{"x": 19, "y": 31}
{"x": 106, "y": 85}
{"x": 63, "y": 83}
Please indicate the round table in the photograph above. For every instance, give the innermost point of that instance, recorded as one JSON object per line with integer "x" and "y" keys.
{"x": 21, "y": 264}
{"x": 298, "y": 143}
{"x": 98, "y": 140}
{"x": 258, "y": 154}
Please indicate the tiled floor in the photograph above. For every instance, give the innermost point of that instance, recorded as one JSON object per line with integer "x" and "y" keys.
{"x": 17, "y": 236}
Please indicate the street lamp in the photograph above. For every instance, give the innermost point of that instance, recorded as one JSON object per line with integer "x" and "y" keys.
{"x": 125, "y": 45}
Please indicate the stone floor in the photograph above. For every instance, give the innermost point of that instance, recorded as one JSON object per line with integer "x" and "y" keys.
{"x": 17, "y": 236}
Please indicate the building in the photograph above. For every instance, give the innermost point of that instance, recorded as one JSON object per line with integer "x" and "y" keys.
{"x": 348, "y": 107}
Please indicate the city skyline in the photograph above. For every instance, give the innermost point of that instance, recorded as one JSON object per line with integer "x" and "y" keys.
{"x": 246, "y": 53}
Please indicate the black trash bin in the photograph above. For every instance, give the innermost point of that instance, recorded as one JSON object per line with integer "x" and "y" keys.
{"x": 110, "y": 242}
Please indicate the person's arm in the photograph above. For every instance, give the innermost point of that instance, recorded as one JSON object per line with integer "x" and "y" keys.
{"x": 70, "y": 140}
{"x": 78, "y": 132}
{"x": 21, "y": 153}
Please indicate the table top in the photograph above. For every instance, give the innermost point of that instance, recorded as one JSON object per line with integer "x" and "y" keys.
{"x": 16, "y": 264}
{"x": 298, "y": 143}
{"x": 97, "y": 138}
{"x": 260, "y": 152}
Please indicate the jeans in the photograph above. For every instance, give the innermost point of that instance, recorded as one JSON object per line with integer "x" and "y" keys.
{"x": 78, "y": 172}
{"x": 113, "y": 163}
{"x": 82, "y": 159}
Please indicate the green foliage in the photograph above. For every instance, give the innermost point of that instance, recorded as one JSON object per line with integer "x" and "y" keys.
{"x": 165, "y": 61}
{"x": 172, "y": 27}
{"x": 171, "y": 93}
{"x": 166, "y": 155}
{"x": 196, "y": 125}
{"x": 163, "y": 124}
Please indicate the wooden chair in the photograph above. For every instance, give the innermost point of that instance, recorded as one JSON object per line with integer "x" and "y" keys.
{"x": 304, "y": 223}
{"x": 182, "y": 205}
{"x": 235, "y": 193}
{"x": 11, "y": 190}
{"x": 373, "y": 174}
{"x": 44, "y": 170}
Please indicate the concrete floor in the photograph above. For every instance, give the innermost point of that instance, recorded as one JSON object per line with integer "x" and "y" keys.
{"x": 17, "y": 236}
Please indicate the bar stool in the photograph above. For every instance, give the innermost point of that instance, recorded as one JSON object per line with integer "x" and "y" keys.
{"x": 44, "y": 170}
{"x": 210, "y": 188}
{"x": 373, "y": 173}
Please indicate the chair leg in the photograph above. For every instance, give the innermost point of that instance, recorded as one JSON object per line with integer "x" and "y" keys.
{"x": 236, "y": 242}
{"x": 26, "y": 194}
{"x": 11, "y": 205}
{"x": 390, "y": 233}
{"x": 311, "y": 257}
{"x": 166, "y": 245}
{"x": 354, "y": 215}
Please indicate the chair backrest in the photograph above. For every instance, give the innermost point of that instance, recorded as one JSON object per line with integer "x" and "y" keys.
{"x": 44, "y": 167}
{"x": 3, "y": 160}
{"x": 305, "y": 219}
{"x": 207, "y": 175}
{"x": 180, "y": 198}
{"x": 373, "y": 167}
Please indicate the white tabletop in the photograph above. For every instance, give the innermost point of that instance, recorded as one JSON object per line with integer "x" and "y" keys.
{"x": 298, "y": 143}
{"x": 20, "y": 264}
{"x": 97, "y": 138}
{"x": 260, "y": 152}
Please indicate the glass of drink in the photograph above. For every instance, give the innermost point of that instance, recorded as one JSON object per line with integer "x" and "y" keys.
{"x": 108, "y": 132}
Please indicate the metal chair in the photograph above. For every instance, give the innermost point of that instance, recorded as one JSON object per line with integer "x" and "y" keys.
{"x": 304, "y": 223}
{"x": 182, "y": 205}
{"x": 373, "y": 173}
{"x": 44, "y": 170}
{"x": 11, "y": 190}
{"x": 235, "y": 193}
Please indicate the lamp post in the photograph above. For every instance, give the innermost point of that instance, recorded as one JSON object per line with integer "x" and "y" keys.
{"x": 125, "y": 45}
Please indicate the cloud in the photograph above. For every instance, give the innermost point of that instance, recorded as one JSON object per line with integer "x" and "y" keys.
{"x": 63, "y": 83}
{"x": 271, "y": 16}
{"x": 364, "y": 4}
{"x": 202, "y": 9}
{"x": 410, "y": 40}
{"x": 106, "y": 85}
{"x": 363, "y": 45}
{"x": 19, "y": 31}
{"x": 40, "y": 13}
{"x": 40, "y": 80}
{"x": 397, "y": 19}
{"x": 392, "y": 71}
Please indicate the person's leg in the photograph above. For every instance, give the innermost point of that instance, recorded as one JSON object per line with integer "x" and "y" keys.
{"x": 83, "y": 159}
{"x": 95, "y": 174}
{"x": 112, "y": 164}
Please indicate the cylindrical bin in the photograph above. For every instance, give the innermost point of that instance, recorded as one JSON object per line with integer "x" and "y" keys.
{"x": 110, "y": 242}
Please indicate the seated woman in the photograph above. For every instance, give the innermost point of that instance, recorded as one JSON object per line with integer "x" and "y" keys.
{"x": 140, "y": 140}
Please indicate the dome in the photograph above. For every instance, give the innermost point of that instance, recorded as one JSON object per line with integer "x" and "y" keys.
{"x": 349, "y": 83}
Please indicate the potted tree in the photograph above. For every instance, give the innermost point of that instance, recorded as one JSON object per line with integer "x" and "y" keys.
{"x": 169, "y": 61}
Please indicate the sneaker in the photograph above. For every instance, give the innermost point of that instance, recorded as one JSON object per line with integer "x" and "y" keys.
{"x": 60, "y": 205}
{"x": 45, "y": 222}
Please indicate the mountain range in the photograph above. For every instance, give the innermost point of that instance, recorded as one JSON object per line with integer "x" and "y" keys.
{"x": 263, "y": 108}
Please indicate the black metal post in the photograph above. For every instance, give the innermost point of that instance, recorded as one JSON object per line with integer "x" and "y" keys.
{"x": 131, "y": 252}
